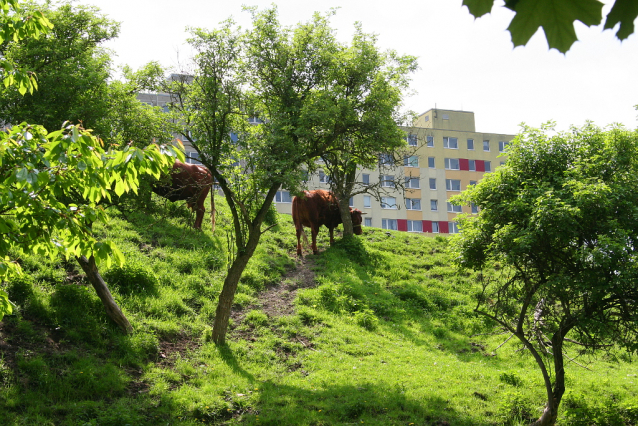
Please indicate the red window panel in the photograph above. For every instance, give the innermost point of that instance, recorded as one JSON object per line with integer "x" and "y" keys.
{"x": 480, "y": 165}
{"x": 402, "y": 224}
{"x": 443, "y": 228}
{"x": 464, "y": 164}
{"x": 427, "y": 226}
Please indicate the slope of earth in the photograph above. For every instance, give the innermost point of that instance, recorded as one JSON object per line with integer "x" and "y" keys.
{"x": 378, "y": 330}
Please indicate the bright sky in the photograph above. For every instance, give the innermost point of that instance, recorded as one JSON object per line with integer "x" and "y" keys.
{"x": 465, "y": 64}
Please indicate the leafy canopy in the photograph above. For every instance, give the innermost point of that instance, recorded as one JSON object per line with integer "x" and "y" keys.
{"x": 559, "y": 219}
{"x": 42, "y": 174}
{"x": 557, "y": 17}
{"x": 14, "y": 26}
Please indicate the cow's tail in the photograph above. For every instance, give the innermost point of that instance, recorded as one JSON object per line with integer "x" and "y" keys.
{"x": 212, "y": 207}
{"x": 305, "y": 237}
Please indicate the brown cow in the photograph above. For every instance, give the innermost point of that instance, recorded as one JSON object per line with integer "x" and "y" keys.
{"x": 190, "y": 182}
{"x": 316, "y": 208}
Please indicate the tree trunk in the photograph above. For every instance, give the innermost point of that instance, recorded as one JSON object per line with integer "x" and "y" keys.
{"x": 212, "y": 208}
{"x": 346, "y": 218}
{"x": 344, "y": 202}
{"x": 226, "y": 297}
{"x": 112, "y": 309}
{"x": 550, "y": 414}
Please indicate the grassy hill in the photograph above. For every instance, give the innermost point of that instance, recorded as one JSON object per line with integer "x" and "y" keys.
{"x": 379, "y": 331}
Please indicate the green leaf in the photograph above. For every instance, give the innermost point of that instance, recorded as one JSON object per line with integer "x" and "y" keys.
{"x": 557, "y": 19}
{"x": 624, "y": 12}
{"x": 479, "y": 8}
{"x": 22, "y": 174}
{"x": 81, "y": 165}
{"x": 119, "y": 187}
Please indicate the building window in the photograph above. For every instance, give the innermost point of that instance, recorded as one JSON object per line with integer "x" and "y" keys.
{"x": 434, "y": 205}
{"x": 446, "y": 116}
{"x": 413, "y": 203}
{"x": 433, "y": 184}
{"x": 452, "y": 184}
{"x": 435, "y": 227}
{"x": 367, "y": 221}
{"x": 365, "y": 178}
{"x": 474, "y": 208}
{"x": 453, "y": 228}
{"x": 387, "y": 181}
{"x": 412, "y": 141}
{"x": 192, "y": 157}
{"x": 351, "y": 202}
{"x": 488, "y": 166}
{"x": 388, "y": 203}
{"x": 323, "y": 178}
{"x": 470, "y": 144}
{"x": 451, "y": 143}
{"x": 415, "y": 226}
{"x": 452, "y": 164}
{"x": 472, "y": 182}
{"x": 431, "y": 162}
{"x": 412, "y": 161}
{"x": 502, "y": 146}
{"x": 283, "y": 197}
{"x": 386, "y": 160}
{"x": 366, "y": 201}
{"x": 413, "y": 183}
{"x": 427, "y": 118}
{"x": 430, "y": 141}
{"x": 502, "y": 163}
{"x": 451, "y": 208}
{"x": 486, "y": 145}
{"x": 472, "y": 165}
{"x": 390, "y": 224}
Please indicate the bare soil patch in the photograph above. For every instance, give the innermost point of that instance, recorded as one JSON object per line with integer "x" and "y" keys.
{"x": 277, "y": 300}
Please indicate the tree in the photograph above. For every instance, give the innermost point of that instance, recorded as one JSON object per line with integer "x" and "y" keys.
{"x": 557, "y": 18}
{"x": 363, "y": 108}
{"x": 40, "y": 173}
{"x": 15, "y": 26}
{"x": 76, "y": 81}
{"x": 258, "y": 110}
{"x": 559, "y": 219}
{"x": 72, "y": 69}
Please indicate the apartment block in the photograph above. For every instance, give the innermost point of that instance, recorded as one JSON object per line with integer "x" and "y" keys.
{"x": 446, "y": 155}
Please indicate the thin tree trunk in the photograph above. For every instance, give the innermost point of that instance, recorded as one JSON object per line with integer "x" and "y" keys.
{"x": 550, "y": 414}
{"x": 112, "y": 309}
{"x": 346, "y": 218}
{"x": 226, "y": 297}
{"x": 212, "y": 207}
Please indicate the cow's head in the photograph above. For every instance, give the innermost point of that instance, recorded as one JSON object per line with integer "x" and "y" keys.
{"x": 355, "y": 214}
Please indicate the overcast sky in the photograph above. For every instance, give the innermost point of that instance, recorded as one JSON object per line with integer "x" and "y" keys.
{"x": 465, "y": 64}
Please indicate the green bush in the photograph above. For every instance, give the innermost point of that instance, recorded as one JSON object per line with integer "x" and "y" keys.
{"x": 366, "y": 319}
{"x": 256, "y": 318}
{"x": 133, "y": 277}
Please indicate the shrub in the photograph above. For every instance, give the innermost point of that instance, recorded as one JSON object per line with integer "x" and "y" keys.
{"x": 133, "y": 277}
{"x": 256, "y": 318}
{"x": 511, "y": 379}
{"x": 366, "y": 319}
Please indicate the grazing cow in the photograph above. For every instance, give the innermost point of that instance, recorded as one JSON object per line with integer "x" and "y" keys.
{"x": 190, "y": 182}
{"x": 316, "y": 208}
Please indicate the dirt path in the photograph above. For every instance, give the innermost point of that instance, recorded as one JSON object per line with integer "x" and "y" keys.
{"x": 277, "y": 301}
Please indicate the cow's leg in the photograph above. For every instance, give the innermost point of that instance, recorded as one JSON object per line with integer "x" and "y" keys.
{"x": 299, "y": 248}
{"x": 199, "y": 217}
{"x": 314, "y": 231}
{"x": 332, "y": 239}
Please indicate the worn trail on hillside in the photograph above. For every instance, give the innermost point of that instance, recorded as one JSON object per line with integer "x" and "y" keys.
{"x": 278, "y": 300}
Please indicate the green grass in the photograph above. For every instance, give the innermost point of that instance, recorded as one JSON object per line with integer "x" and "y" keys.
{"x": 387, "y": 336}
